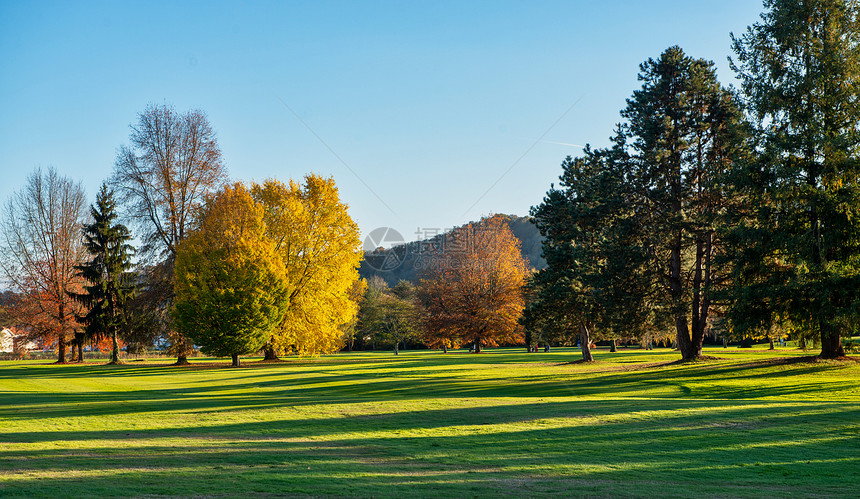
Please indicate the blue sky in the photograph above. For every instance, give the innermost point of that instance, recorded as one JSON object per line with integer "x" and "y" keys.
{"x": 433, "y": 109}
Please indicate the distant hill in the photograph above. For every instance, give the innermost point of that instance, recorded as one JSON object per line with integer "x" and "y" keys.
{"x": 404, "y": 262}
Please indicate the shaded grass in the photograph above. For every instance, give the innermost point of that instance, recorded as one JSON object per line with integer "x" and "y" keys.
{"x": 635, "y": 423}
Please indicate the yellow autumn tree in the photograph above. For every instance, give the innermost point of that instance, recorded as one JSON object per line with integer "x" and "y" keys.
{"x": 320, "y": 248}
{"x": 230, "y": 284}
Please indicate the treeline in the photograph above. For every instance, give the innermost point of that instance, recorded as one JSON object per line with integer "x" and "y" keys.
{"x": 714, "y": 210}
{"x": 730, "y": 212}
{"x": 228, "y": 267}
{"x": 735, "y": 212}
{"x": 231, "y": 268}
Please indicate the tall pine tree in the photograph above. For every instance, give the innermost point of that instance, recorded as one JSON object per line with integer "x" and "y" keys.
{"x": 632, "y": 235}
{"x": 797, "y": 253}
{"x": 111, "y": 282}
{"x": 588, "y": 284}
{"x": 684, "y": 131}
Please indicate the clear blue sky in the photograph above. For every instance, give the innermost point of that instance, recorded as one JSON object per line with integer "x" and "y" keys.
{"x": 429, "y": 103}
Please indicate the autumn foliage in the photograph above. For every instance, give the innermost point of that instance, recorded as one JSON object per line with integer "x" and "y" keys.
{"x": 230, "y": 284}
{"x": 41, "y": 246}
{"x": 270, "y": 266}
{"x": 319, "y": 245}
{"x": 471, "y": 289}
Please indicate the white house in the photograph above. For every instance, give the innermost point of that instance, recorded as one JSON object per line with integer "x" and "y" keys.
{"x": 9, "y": 338}
{"x": 7, "y": 341}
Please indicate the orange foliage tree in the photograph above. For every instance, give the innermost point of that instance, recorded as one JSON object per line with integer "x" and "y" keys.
{"x": 41, "y": 245}
{"x": 472, "y": 287}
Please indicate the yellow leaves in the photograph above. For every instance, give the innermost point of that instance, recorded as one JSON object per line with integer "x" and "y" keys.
{"x": 319, "y": 245}
{"x": 231, "y": 218}
{"x": 278, "y": 260}
{"x": 230, "y": 283}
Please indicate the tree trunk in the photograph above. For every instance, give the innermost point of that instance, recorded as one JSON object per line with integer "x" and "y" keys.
{"x": 444, "y": 349}
{"x": 61, "y": 340}
{"x": 584, "y": 342}
{"x": 235, "y": 360}
{"x": 613, "y": 347}
{"x": 770, "y": 340}
{"x": 269, "y": 352}
{"x": 396, "y": 344}
{"x": 61, "y": 348}
{"x": 725, "y": 342}
{"x": 477, "y": 346}
{"x": 689, "y": 349}
{"x": 831, "y": 344}
{"x": 697, "y": 286}
{"x": 701, "y": 295}
{"x": 685, "y": 344}
{"x": 182, "y": 357}
{"x": 74, "y": 348}
{"x": 114, "y": 356}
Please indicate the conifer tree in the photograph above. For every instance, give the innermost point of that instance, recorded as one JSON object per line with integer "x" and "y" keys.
{"x": 108, "y": 273}
{"x": 632, "y": 235}
{"x": 684, "y": 129}
{"x": 796, "y": 250}
{"x": 579, "y": 222}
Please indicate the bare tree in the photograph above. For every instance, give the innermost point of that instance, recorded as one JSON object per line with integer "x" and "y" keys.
{"x": 162, "y": 179}
{"x": 41, "y": 245}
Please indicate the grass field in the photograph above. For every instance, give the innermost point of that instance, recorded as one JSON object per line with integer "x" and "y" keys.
{"x": 634, "y": 423}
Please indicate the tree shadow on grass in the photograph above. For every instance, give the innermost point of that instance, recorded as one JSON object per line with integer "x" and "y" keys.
{"x": 510, "y": 434}
{"x": 622, "y": 447}
{"x": 306, "y": 387}
{"x": 277, "y": 393}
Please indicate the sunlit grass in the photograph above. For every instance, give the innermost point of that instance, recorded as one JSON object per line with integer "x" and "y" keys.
{"x": 635, "y": 423}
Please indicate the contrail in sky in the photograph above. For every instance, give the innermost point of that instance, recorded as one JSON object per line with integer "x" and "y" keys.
{"x": 539, "y": 139}
{"x": 554, "y": 142}
{"x": 562, "y": 143}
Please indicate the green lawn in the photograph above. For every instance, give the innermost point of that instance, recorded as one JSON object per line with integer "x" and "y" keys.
{"x": 426, "y": 424}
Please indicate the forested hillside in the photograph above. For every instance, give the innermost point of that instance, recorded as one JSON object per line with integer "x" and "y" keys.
{"x": 404, "y": 262}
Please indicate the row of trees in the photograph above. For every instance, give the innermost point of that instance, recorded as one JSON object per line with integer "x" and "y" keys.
{"x": 226, "y": 267}
{"x": 234, "y": 268}
{"x": 711, "y": 209}
{"x": 715, "y": 209}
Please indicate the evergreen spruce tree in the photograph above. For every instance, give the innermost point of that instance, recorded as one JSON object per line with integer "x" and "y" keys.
{"x": 111, "y": 282}
{"x": 796, "y": 252}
